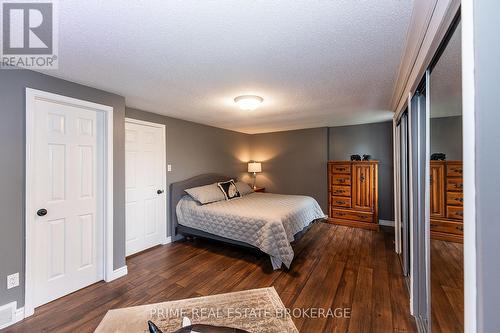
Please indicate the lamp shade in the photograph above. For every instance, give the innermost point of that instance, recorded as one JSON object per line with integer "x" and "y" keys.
{"x": 254, "y": 167}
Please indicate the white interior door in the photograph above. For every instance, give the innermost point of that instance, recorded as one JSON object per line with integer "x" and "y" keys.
{"x": 145, "y": 186}
{"x": 68, "y": 228}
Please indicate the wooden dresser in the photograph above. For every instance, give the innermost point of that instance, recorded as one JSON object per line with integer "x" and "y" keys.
{"x": 353, "y": 193}
{"x": 446, "y": 200}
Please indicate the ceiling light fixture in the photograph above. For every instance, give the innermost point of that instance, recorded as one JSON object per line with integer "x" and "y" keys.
{"x": 248, "y": 102}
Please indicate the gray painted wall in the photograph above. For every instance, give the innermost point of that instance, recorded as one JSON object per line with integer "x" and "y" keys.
{"x": 487, "y": 92}
{"x": 293, "y": 162}
{"x": 12, "y": 164}
{"x": 446, "y": 137}
{"x": 373, "y": 139}
{"x": 193, "y": 149}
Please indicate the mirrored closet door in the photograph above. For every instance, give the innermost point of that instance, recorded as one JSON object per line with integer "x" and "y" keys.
{"x": 445, "y": 188}
{"x": 402, "y": 183}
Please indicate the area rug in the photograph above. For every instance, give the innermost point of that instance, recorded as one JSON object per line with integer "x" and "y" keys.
{"x": 256, "y": 311}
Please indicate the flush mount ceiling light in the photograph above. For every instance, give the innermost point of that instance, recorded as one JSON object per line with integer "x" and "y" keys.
{"x": 248, "y": 102}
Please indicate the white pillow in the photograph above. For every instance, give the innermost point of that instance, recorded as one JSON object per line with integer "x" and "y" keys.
{"x": 243, "y": 188}
{"x": 206, "y": 194}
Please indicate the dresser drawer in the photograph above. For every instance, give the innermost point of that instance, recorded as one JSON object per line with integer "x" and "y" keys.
{"x": 341, "y": 179}
{"x": 340, "y": 168}
{"x": 341, "y": 202}
{"x": 455, "y": 198}
{"x": 344, "y": 191}
{"x": 447, "y": 227}
{"x": 453, "y": 212}
{"x": 454, "y": 170}
{"x": 455, "y": 184}
{"x": 351, "y": 215}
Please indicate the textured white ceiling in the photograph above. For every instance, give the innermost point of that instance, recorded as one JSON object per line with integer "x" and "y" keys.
{"x": 316, "y": 63}
{"x": 446, "y": 79}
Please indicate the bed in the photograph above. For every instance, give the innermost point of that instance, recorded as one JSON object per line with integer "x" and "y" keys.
{"x": 263, "y": 221}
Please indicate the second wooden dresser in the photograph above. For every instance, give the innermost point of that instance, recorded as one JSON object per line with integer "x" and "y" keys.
{"x": 447, "y": 200}
{"x": 353, "y": 193}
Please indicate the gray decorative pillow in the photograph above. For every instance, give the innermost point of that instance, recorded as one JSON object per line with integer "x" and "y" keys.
{"x": 206, "y": 194}
{"x": 243, "y": 188}
{"x": 229, "y": 189}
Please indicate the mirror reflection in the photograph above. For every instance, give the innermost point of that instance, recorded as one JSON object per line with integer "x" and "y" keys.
{"x": 446, "y": 190}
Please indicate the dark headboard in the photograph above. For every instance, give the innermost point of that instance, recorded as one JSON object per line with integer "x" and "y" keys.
{"x": 177, "y": 192}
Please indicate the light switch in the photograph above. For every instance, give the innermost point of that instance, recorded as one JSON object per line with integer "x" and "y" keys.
{"x": 169, "y": 167}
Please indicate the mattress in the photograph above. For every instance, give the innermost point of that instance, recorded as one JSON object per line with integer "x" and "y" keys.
{"x": 264, "y": 220}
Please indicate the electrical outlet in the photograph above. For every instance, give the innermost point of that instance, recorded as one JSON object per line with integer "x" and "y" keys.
{"x": 12, "y": 281}
{"x": 169, "y": 167}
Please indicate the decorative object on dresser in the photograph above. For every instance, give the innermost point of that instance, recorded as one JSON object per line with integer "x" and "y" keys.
{"x": 446, "y": 200}
{"x": 260, "y": 189}
{"x": 353, "y": 193}
{"x": 438, "y": 157}
{"x": 254, "y": 167}
{"x": 355, "y": 158}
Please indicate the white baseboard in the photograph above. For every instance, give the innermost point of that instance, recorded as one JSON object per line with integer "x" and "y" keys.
{"x": 167, "y": 240}
{"x": 118, "y": 273}
{"x": 15, "y": 316}
{"x": 18, "y": 315}
{"x": 386, "y": 223}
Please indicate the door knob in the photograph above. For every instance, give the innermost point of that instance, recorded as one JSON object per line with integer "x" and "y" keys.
{"x": 41, "y": 212}
{"x": 159, "y": 192}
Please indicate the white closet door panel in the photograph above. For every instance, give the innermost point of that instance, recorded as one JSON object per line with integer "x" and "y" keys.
{"x": 145, "y": 172}
{"x": 66, "y": 238}
{"x": 56, "y": 253}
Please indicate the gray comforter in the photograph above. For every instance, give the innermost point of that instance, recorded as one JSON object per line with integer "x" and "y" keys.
{"x": 264, "y": 220}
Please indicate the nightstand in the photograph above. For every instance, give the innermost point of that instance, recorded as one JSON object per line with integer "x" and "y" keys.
{"x": 260, "y": 189}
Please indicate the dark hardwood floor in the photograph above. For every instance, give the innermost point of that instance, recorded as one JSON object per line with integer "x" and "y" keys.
{"x": 447, "y": 286}
{"x": 334, "y": 267}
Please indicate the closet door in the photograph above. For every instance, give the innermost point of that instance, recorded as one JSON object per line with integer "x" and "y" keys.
{"x": 405, "y": 194}
{"x": 145, "y": 197}
{"x": 363, "y": 176}
{"x": 419, "y": 205}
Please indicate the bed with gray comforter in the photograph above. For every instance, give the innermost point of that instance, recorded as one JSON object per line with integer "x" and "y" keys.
{"x": 263, "y": 220}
